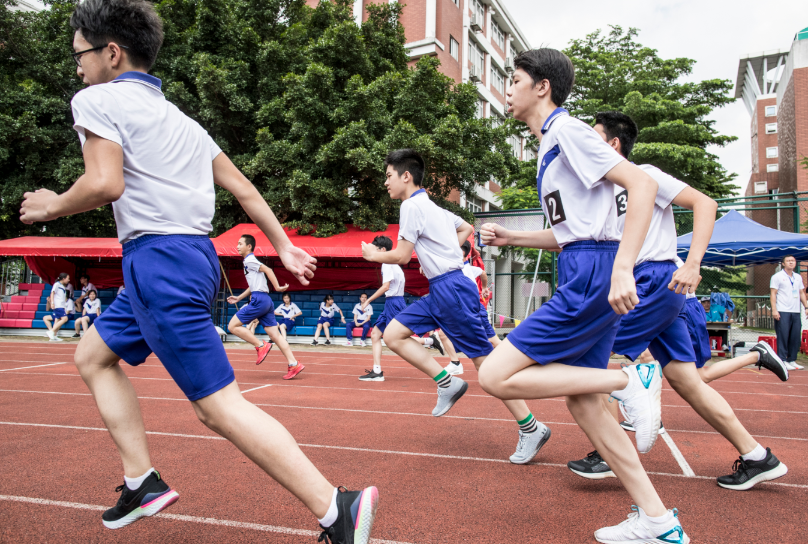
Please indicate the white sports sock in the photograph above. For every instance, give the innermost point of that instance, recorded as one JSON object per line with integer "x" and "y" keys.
{"x": 428, "y": 342}
{"x": 293, "y": 364}
{"x": 377, "y": 369}
{"x": 330, "y": 516}
{"x": 757, "y": 454}
{"x": 659, "y": 520}
{"x": 135, "y": 483}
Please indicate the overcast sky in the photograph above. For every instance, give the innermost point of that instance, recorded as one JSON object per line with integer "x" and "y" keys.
{"x": 715, "y": 33}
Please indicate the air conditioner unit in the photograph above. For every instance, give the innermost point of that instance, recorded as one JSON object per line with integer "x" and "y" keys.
{"x": 761, "y": 187}
{"x": 476, "y": 23}
{"x": 509, "y": 65}
{"x": 474, "y": 73}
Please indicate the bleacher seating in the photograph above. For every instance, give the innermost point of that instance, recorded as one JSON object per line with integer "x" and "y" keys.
{"x": 26, "y": 310}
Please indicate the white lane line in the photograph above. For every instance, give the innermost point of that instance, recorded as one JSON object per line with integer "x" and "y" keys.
{"x": 181, "y": 517}
{"x": 259, "y": 387}
{"x": 35, "y": 366}
{"x": 686, "y": 470}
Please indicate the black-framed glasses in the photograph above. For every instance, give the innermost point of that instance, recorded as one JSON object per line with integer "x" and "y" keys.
{"x": 77, "y": 56}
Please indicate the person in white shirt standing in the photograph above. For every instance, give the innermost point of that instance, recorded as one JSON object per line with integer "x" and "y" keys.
{"x": 57, "y": 299}
{"x": 362, "y": 313}
{"x": 787, "y": 294}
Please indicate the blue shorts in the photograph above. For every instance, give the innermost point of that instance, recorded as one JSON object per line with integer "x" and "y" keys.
{"x": 452, "y": 305}
{"x": 577, "y": 326}
{"x": 261, "y": 308}
{"x": 658, "y": 322}
{"x": 489, "y": 330}
{"x": 392, "y": 307}
{"x": 58, "y": 313}
{"x": 171, "y": 284}
{"x": 91, "y": 317}
{"x": 290, "y": 324}
{"x": 696, "y": 319}
{"x": 329, "y": 320}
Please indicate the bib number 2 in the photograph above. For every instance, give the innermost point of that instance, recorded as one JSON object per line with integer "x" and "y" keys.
{"x": 554, "y": 208}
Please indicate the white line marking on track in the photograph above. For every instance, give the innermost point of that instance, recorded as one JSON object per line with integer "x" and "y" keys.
{"x": 182, "y": 517}
{"x": 35, "y": 366}
{"x": 686, "y": 470}
{"x": 259, "y": 387}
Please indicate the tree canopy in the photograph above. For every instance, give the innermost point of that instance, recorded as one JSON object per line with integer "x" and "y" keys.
{"x": 305, "y": 101}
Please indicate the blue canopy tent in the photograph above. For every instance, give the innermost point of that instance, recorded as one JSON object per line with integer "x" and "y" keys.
{"x": 739, "y": 241}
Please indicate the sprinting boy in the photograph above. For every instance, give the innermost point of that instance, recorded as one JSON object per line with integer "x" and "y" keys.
{"x": 452, "y": 304}
{"x": 328, "y": 311}
{"x": 90, "y": 311}
{"x": 164, "y": 203}
{"x": 659, "y": 321}
{"x": 86, "y": 287}
{"x": 288, "y": 312}
{"x": 562, "y": 349}
{"x": 260, "y": 307}
{"x": 57, "y": 300}
{"x": 362, "y": 312}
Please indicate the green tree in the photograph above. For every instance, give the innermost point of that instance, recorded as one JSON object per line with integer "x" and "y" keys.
{"x": 305, "y": 102}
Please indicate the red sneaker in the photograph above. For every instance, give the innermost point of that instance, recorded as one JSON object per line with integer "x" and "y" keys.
{"x": 294, "y": 371}
{"x": 263, "y": 351}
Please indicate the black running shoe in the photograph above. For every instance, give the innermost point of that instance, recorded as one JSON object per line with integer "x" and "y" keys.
{"x": 770, "y": 361}
{"x": 748, "y": 473}
{"x": 356, "y": 511}
{"x": 77, "y": 335}
{"x": 371, "y": 376}
{"x": 328, "y": 342}
{"x": 436, "y": 343}
{"x": 314, "y": 342}
{"x": 152, "y": 496}
{"x": 592, "y": 466}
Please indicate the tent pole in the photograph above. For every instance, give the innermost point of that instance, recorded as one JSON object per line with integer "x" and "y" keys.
{"x": 535, "y": 274}
{"x": 227, "y": 282}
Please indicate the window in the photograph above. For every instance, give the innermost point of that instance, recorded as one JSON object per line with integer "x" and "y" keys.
{"x": 474, "y": 204}
{"x": 477, "y": 58}
{"x": 773, "y": 167}
{"x": 496, "y": 120}
{"x": 771, "y": 111}
{"x": 478, "y": 10}
{"x": 480, "y": 108}
{"x": 498, "y": 81}
{"x": 771, "y": 152}
{"x": 760, "y": 187}
{"x": 771, "y": 128}
{"x": 454, "y": 48}
{"x": 516, "y": 145}
{"x": 530, "y": 154}
{"x": 497, "y": 35}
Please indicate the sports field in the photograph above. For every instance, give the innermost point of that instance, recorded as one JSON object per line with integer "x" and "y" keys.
{"x": 440, "y": 479}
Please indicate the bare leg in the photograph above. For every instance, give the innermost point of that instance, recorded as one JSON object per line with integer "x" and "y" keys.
{"x": 243, "y": 332}
{"x": 517, "y": 407}
{"x": 686, "y": 380}
{"x": 495, "y": 341}
{"x": 616, "y": 449}
{"x": 448, "y": 347}
{"x": 282, "y": 329}
{"x": 397, "y": 338}
{"x": 317, "y": 332}
{"x": 79, "y": 323}
{"x": 280, "y": 341}
{"x": 376, "y": 344}
{"x": 116, "y": 400}
{"x": 47, "y": 319}
{"x": 722, "y": 368}
{"x": 267, "y": 443}
{"x": 58, "y": 324}
{"x": 84, "y": 323}
{"x": 645, "y": 357}
{"x": 326, "y": 328}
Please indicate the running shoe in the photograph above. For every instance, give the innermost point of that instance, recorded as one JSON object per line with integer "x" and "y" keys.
{"x": 371, "y": 376}
{"x": 77, "y": 335}
{"x": 263, "y": 351}
{"x": 455, "y": 368}
{"x": 642, "y": 402}
{"x": 348, "y": 343}
{"x": 50, "y": 335}
{"x": 56, "y": 339}
{"x": 592, "y": 467}
{"x": 314, "y": 342}
{"x": 529, "y": 444}
{"x": 436, "y": 343}
{"x": 630, "y": 428}
{"x": 635, "y": 529}
{"x": 796, "y": 365}
{"x": 328, "y": 342}
{"x": 447, "y": 396}
{"x": 362, "y": 344}
{"x": 748, "y": 473}
{"x": 770, "y": 361}
{"x": 152, "y": 496}
{"x": 293, "y": 371}
{"x": 356, "y": 511}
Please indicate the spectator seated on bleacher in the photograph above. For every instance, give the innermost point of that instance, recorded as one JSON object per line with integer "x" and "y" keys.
{"x": 288, "y": 312}
{"x": 361, "y": 320}
{"x": 86, "y": 287}
{"x": 327, "y": 312}
{"x": 91, "y": 309}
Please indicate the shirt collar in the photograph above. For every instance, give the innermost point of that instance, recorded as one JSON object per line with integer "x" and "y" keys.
{"x": 418, "y": 192}
{"x": 558, "y": 112}
{"x": 140, "y": 77}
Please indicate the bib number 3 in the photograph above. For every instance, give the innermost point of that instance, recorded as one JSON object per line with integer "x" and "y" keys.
{"x": 621, "y": 199}
{"x": 554, "y": 208}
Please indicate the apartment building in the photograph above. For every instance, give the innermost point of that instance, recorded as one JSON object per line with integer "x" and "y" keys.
{"x": 27, "y": 5}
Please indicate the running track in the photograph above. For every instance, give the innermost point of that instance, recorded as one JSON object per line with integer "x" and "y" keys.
{"x": 441, "y": 479}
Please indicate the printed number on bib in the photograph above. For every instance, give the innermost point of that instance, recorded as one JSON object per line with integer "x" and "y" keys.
{"x": 622, "y": 202}
{"x": 554, "y": 208}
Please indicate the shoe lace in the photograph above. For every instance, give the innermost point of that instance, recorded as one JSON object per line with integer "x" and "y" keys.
{"x": 368, "y": 371}
{"x": 592, "y": 454}
{"x": 739, "y": 465}
{"x": 324, "y": 536}
{"x": 522, "y": 439}
{"x": 623, "y": 411}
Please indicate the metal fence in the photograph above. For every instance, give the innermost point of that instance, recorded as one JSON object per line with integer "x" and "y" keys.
{"x": 13, "y": 272}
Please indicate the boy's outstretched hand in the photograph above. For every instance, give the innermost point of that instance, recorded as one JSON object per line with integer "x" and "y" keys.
{"x": 299, "y": 263}
{"x": 232, "y": 300}
{"x": 35, "y": 206}
{"x": 492, "y": 234}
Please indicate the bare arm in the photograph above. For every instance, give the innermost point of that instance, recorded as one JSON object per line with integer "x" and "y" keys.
{"x": 101, "y": 184}
{"x": 228, "y": 177}
{"x": 463, "y": 232}
{"x": 497, "y": 235}
{"x": 235, "y": 300}
{"x": 379, "y": 292}
{"x": 267, "y": 271}
{"x": 687, "y": 278}
{"x": 773, "y": 299}
{"x": 402, "y": 254}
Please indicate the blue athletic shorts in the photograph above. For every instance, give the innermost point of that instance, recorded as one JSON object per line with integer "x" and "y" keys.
{"x": 171, "y": 284}
{"x": 658, "y": 321}
{"x": 92, "y": 317}
{"x": 577, "y": 325}
{"x": 696, "y": 319}
{"x": 58, "y": 313}
{"x": 290, "y": 324}
{"x": 452, "y": 305}
{"x": 329, "y": 320}
{"x": 489, "y": 330}
{"x": 261, "y": 308}
{"x": 392, "y": 307}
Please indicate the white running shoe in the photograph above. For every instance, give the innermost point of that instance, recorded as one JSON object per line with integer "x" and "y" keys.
{"x": 790, "y": 366}
{"x": 447, "y": 396}
{"x": 56, "y": 339}
{"x": 362, "y": 344}
{"x": 796, "y": 365}
{"x": 348, "y": 343}
{"x": 642, "y": 402}
{"x": 455, "y": 369}
{"x": 529, "y": 444}
{"x": 637, "y": 529}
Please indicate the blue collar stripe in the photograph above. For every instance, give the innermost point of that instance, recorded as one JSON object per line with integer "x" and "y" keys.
{"x": 545, "y": 162}
{"x": 418, "y": 192}
{"x": 143, "y": 78}
{"x": 553, "y": 116}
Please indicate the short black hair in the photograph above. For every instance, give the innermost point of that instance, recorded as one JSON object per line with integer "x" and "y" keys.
{"x": 91, "y": 291}
{"x": 328, "y": 297}
{"x": 407, "y": 160}
{"x": 249, "y": 239}
{"x": 786, "y": 257}
{"x": 621, "y": 126}
{"x": 131, "y": 23}
{"x": 361, "y": 294}
{"x": 84, "y": 275}
{"x": 62, "y": 276}
{"x": 287, "y": 295}
{"x": 466, "y": 247}
{"x": 552, "y": 65}
{"x": 383, "y": 242}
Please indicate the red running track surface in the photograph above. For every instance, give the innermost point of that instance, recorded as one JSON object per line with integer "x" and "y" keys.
{"x": 441, "y": 480}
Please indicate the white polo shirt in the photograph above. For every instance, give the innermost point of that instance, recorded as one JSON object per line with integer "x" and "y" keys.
{"x": 256, "y": 280}
{"x": 472, "y": 272}
{"x": 433, "y": 231}
{"x": 660, "y": 242}
{"x": 59, "y": 295}
{"x": 87, "y": 288}
{"x": 92, "y": 306}
{"x": 362, "y": 315}
{"x": 167, "y": 156}
{"x": 70, "y": 304}
{"x": 788, "y": 291}
{"x": 395, "y": 275}
{"x": 578, "y": 202}
{"x": 328, "y": 311}
{"x": 288, "y": 312}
